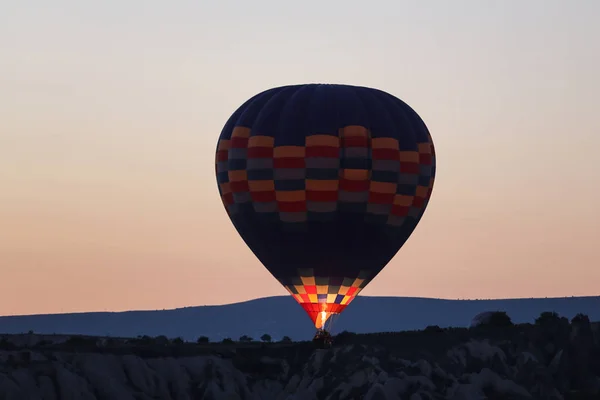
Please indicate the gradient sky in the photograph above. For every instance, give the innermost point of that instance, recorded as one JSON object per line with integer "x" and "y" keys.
{"x": 110, "y": 112}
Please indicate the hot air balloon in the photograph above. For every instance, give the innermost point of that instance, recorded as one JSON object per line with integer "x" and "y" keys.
{"x": 325, "y": 183}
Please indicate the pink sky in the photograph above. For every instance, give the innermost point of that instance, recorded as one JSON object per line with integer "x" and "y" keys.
{"x": 109, "y": 118}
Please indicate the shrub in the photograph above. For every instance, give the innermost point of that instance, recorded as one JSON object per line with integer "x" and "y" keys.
{"x": 547, "y": 317}
{"x": 178, "y": 340}
{"x": 498, "y": 319}
{"x": 203, "y": 339}
{"x": 147, "y": 340}
{"x": 286, "y": 339}
{"x": 161, "y": 340}
{"x": 434, "y": 328}
{"x": 345, "y": 337}
{"x": 580, "y": 318}
{"x": 266, "y": 338}
{"x": 227, "y": 341}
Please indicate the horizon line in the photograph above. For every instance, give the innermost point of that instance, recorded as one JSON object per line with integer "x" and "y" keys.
{"x": 288, "y": 297}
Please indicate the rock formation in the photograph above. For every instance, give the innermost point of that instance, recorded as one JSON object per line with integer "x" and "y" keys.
{"x": 552, "y": 359}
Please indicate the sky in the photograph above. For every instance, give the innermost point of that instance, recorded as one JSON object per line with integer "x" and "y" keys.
{"x": 110, "y": 112}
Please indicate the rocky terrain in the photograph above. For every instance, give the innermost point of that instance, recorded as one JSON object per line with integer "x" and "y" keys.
{"x": 552, "y": 359}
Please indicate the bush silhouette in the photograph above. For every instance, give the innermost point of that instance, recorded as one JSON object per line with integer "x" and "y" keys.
{"x": 497, "y": 319}
{"x": 434, "y": 328}
{"x": 202, "y": 339}
{"x": 345, "y": 337}
{"x": 266, "y": 338}
{"x": 178, "y": 340}
{"x": 245, "y": 338}
{"x": 547, "y": 317}
{"x": 227, "y": 341}
{"x": 580, "y": 318}
{"x": 144, "y": 340}
{"x": 161, "y": 340}
{"x": 286, "y": 339}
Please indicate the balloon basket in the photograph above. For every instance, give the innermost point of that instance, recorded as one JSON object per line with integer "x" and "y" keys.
{"x": 322, "y": 339}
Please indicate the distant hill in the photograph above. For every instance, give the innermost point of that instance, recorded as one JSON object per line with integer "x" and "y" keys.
{"x": 282, "y": 316}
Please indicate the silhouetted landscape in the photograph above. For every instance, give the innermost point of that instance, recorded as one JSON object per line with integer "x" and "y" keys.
{"x": 162, "y": 161}
{"x": 551, "y": 358}
{"x": 281, "y": 316}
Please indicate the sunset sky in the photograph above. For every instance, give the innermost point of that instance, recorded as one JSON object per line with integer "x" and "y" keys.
{"x": 110, "y": 112}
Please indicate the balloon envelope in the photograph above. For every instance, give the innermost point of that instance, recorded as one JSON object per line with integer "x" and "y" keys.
{"x": 325, "y": 183}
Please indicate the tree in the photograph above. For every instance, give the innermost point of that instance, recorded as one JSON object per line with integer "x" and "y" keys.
{"x": 345, "y": 337}
{"x": 178, "y": 340}
{"x": 580, "y": 318}
{"x": 203, "y": 339}
{"x": 499, "y": 319}
{"x": 547, "y": 317}
{"x": 227, "y": 341}
{"x": 266, "y": 338}
{"x": 245, "y": 338}
{"x": 147, "y": 340}
{"x": 434, "y": 328}
{"x": 286, "y": 339}
{"x": 161, "y": 340}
